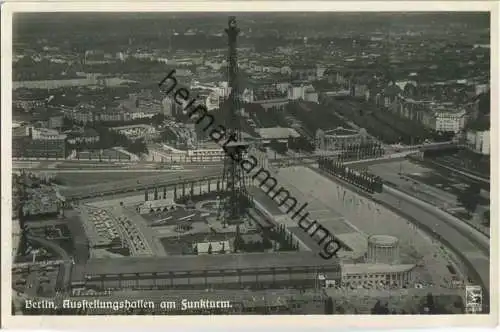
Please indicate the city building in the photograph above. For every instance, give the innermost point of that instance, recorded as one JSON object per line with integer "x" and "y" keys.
{"x": 339, "y": 138}
{"x": 82, "y": 114}
{"x": 137, "y": 131}
{"x": 446, "y": 120}
{"x": 299, "y": 91}
{"x": 416, "y": 110}
{"x": 29, "y": 103}
{"x": 30, "y": 142}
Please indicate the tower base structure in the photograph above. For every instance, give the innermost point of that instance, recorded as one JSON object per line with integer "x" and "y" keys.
{"x": 236, "y": 203}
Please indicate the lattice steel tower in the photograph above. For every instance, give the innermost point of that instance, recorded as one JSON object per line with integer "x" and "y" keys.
{"x": 233, "y": 209}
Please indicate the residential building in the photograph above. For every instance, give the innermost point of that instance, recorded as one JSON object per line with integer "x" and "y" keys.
{"x": 29, "y": 103}
{"x": 299, "y": 91}
{"x": 48, "y": 118}
{"x": 26, "y": 147}
{"x": 45, "y": 134}
{"x": 137, "y": 131}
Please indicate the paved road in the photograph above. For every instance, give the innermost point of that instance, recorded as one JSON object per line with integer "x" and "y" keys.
{"x": 107, "y": 170}
{"x": 468, "y": 243}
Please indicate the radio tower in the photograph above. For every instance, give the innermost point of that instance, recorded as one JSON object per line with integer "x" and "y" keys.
{"x": 233, "y": 209}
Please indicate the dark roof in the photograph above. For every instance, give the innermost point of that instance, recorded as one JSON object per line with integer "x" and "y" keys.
{"x": 167, "y": 264}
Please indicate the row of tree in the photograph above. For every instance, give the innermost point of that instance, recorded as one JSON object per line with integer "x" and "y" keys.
{"x": 363, "y": 180}
{"x": 363, "y": 118}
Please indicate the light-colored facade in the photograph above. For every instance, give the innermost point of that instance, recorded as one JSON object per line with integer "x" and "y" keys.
{"x": 46, "y": 134}
{"x": 206, "y": 154}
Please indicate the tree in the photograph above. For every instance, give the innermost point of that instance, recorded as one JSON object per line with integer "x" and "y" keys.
{"x": 209, "y": 251}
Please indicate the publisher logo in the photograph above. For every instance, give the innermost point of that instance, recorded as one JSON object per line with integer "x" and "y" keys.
{"x": 473, "y": 299}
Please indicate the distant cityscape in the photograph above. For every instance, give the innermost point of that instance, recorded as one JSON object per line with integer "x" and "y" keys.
{"x": 379, "y": 121}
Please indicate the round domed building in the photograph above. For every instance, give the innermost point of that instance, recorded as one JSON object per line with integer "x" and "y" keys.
{"x": 383, "y": 249}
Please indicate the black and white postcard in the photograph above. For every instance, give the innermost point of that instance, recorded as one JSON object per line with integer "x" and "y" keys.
{"x": 237, "y": 160}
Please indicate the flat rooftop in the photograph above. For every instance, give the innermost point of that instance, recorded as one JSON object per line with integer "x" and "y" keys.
{"x": 253, "y": 261}
{"x": 277, "y": 132}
